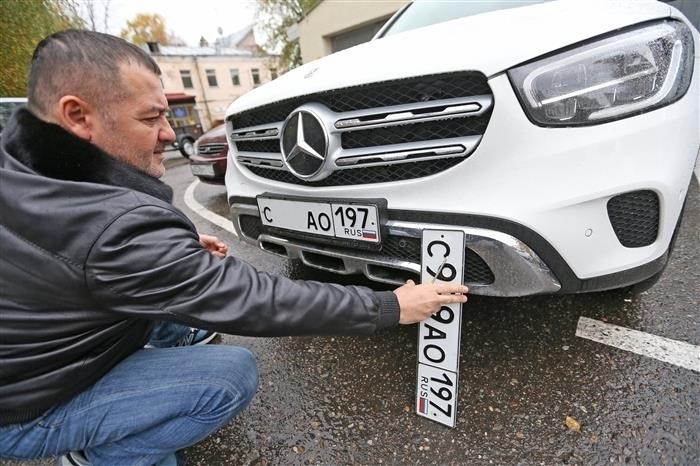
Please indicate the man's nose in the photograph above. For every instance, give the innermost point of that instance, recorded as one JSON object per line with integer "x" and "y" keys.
{"x": 167, "y": 134}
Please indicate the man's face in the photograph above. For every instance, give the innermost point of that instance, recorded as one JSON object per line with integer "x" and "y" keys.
{"x": 133, "y": 128}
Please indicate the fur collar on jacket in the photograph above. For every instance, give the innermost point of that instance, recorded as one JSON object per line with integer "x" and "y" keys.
{"x": 53, "y": 152}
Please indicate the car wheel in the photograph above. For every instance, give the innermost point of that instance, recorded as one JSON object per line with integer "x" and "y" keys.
{"x": 187, "y": 147}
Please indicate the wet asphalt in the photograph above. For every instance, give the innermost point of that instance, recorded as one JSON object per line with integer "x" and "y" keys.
{"x": 350, "y": 400}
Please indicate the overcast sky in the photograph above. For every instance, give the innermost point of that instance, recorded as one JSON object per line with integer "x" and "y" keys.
{"x": 188, "y": 19}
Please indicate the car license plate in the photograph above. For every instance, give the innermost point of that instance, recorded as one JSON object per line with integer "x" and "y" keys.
{"x": 438, "y": 336}
{"x": 344, "y": 220}
{"x": 203, "y": 170}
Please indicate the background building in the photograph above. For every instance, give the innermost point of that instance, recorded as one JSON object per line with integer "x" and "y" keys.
{"x": 332, "y": 26}
{"x": 215, "y": 76}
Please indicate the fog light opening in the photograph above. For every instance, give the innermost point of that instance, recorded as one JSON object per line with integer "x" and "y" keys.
{"x": 324, "y": 262}
{"x": 390, "y": 274}
{"x": 274, "y": 248}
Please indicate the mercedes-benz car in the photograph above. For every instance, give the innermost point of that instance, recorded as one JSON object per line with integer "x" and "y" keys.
{"x": 559, "y": 136}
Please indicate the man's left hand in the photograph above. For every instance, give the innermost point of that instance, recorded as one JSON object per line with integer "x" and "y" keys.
{"x": 214, "y": 245}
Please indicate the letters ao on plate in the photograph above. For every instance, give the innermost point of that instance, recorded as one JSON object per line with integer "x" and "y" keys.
{"x": 439, "y": 336}
{"x": 340, "y": 220}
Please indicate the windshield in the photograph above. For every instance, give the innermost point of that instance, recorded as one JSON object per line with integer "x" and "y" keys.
{"x": 424, "y": 13}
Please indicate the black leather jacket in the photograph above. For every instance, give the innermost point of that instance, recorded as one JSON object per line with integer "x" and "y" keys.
{"x": 92, "y": 252}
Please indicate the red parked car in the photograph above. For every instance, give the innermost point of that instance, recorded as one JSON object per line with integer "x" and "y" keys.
{"x": 208, "y": 163}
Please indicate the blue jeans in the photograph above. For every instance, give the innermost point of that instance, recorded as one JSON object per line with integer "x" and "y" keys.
{"x": 167, "y": 334}
{"x": 155, "y": 402}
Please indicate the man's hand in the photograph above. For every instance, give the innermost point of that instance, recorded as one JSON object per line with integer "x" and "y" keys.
{"x": 214, "y": 245}
{"x": 418, "y": 302}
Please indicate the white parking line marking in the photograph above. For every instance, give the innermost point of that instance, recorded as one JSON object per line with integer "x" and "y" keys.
{"x": 674, "y": 352}
{"x": 203, "y": 212}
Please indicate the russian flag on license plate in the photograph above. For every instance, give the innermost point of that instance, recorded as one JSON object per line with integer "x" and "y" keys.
{"x": 423, "y": 405}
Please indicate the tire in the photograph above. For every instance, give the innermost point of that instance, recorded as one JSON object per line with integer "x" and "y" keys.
{"x": 187, "y": 147}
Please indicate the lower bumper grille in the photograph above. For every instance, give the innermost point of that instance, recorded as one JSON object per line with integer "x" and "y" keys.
{"x": 635, "y": 218}
{"x": 397, "y": 247}
{"x": 409, "y": 249}
{"x": 250, "y": 225}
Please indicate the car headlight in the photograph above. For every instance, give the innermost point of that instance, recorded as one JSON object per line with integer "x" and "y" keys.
{"x": 619, "y": 76}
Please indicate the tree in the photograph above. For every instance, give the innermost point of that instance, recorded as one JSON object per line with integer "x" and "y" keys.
{"x": 146, "y": 27}
{"x": 275, "y": 17}
{"x": 23, "y": 23}
{"x": 91, "y": 12}
{"x": 203, "y": 42}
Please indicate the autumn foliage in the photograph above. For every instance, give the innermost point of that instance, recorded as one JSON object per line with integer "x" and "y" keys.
{"x": 23, "y": 23}
{"x": 146, "y": 27}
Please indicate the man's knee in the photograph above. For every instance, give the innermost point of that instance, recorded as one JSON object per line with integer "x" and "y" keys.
{"x": 247, "y": 369}
{"x": 231, "y": 386}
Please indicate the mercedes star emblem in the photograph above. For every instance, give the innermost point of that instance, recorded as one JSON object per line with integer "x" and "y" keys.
{"x": 304, "y": 143}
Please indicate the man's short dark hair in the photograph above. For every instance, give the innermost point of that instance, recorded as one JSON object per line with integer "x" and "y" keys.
{"x": 81, "y": 63}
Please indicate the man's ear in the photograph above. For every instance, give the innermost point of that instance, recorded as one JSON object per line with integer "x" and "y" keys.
{"x": 75, "y": 116}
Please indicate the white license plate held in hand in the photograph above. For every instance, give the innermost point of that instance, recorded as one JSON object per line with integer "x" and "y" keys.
{"x": 442, "y": 261}
{"x": 343, "y": 220}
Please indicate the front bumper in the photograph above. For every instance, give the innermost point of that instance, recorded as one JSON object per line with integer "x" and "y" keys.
{"x": 497, "y": 261}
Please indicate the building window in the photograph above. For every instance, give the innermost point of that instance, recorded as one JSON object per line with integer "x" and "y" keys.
{"x": 273, "y": 73}
{"x": 211, "y": 78}
{"x": 255, "y": 73}
{"x": 235, "y": 77}
{"x": 186, "y": 76}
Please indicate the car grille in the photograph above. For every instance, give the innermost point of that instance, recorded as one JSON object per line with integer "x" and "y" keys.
{"x": 379, "y": 132}
{"x": 395, "y": 247}
{"x": 384, "y": 94}
{"x": 211, "y": 148}
{"x": 264, "y": 145}
{"x": 635, "y": 218}
{"x": 380, "y": 174}
{"x": 428, "y": 131}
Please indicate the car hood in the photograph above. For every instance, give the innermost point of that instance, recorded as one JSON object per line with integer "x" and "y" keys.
{"x": 489, "y": 42}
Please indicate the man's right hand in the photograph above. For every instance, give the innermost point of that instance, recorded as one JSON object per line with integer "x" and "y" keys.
{"x": 418, "y": 302}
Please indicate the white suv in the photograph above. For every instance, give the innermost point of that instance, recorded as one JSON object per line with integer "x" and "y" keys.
{"x": 559, "y": 136}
